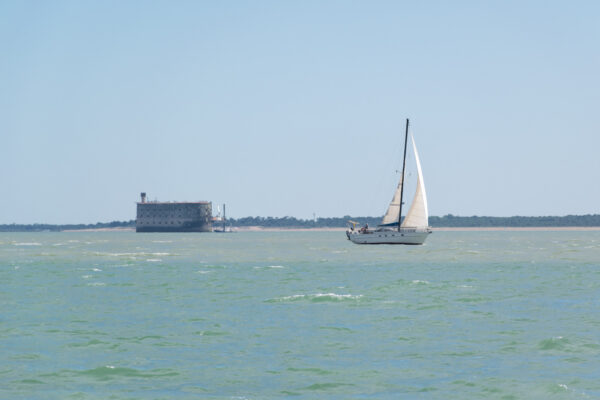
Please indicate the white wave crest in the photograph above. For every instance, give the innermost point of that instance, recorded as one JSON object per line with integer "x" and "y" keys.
{"x": 338, "y": 296}
{"x": 270, "y": 266}
{"x": 132, "y": 255}
{"x": 293, "y": 297}
{"x": 119, "y": 254}
{"x": 318, "y": 297}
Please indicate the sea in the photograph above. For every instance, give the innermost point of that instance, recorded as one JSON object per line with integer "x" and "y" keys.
{"x": 300, "y": 315}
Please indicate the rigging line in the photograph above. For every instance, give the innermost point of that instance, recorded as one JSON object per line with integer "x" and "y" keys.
{"x": 387, "y": 175}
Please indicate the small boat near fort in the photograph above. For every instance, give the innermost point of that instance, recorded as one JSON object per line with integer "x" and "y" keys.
{"x": 220, "y": 222}
{"x": 414, "y": 228}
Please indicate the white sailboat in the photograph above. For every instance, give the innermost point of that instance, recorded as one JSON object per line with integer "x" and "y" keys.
{"x": 414, "y": 229}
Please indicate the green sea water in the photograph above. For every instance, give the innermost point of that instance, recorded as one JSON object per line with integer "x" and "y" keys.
{"x": 303, "y": 315}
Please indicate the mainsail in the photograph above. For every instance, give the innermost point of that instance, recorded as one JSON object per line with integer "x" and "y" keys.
{"x": 417, "y": 216}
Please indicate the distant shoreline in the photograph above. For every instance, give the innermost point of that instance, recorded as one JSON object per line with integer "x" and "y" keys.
{"x": 118, "y": 229}
{"x": 332, "y": 229}
{"x": 445, "y": 223}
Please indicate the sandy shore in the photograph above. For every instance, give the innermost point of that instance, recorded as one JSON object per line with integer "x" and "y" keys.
{"x": 565, "y": 228}
{"x": 273, "y": 229}
{"x": 532, "y": 228}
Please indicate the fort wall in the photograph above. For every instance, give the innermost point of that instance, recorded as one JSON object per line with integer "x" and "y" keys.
{"x": 173, "y": 217}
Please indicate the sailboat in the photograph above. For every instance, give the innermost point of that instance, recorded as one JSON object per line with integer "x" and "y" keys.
{"x": 223, "y": 228}
{"x": 414, "y": 228}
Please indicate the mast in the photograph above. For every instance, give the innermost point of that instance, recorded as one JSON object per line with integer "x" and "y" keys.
{"x": 403, "y": 167}
{"x": 223, "y": 217}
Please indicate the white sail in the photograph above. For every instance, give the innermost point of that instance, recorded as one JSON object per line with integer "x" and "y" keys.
{"x": 391, "y": 216}
{"x": 417, "y": 216}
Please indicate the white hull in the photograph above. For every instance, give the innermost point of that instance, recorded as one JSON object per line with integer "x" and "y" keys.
{"x": 223, "y": 230}
{"x": 404, "y": 236}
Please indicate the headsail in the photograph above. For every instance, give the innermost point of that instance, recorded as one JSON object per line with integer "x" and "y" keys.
{"x": 391, "y": 216}
{"x": 417, "y": 215}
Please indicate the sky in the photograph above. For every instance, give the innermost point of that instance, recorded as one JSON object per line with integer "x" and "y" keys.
{"x": 297, "y": 108}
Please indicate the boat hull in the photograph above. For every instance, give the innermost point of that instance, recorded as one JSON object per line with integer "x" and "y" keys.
{"x": 410, "y": 237}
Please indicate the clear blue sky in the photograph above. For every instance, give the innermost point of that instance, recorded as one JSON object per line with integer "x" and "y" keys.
{"x": 293, "y": 108}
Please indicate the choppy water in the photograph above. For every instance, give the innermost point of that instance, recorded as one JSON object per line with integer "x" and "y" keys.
{"x": 307, "y": 315}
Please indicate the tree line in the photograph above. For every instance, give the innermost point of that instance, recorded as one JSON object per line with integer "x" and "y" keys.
{"x": 65, "y": 227}
{"x": 451, "y": 221}
{"x": 446, "y": 221}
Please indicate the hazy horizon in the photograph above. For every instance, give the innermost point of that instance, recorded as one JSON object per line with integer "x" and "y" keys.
{"x": 297, "y": 108}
